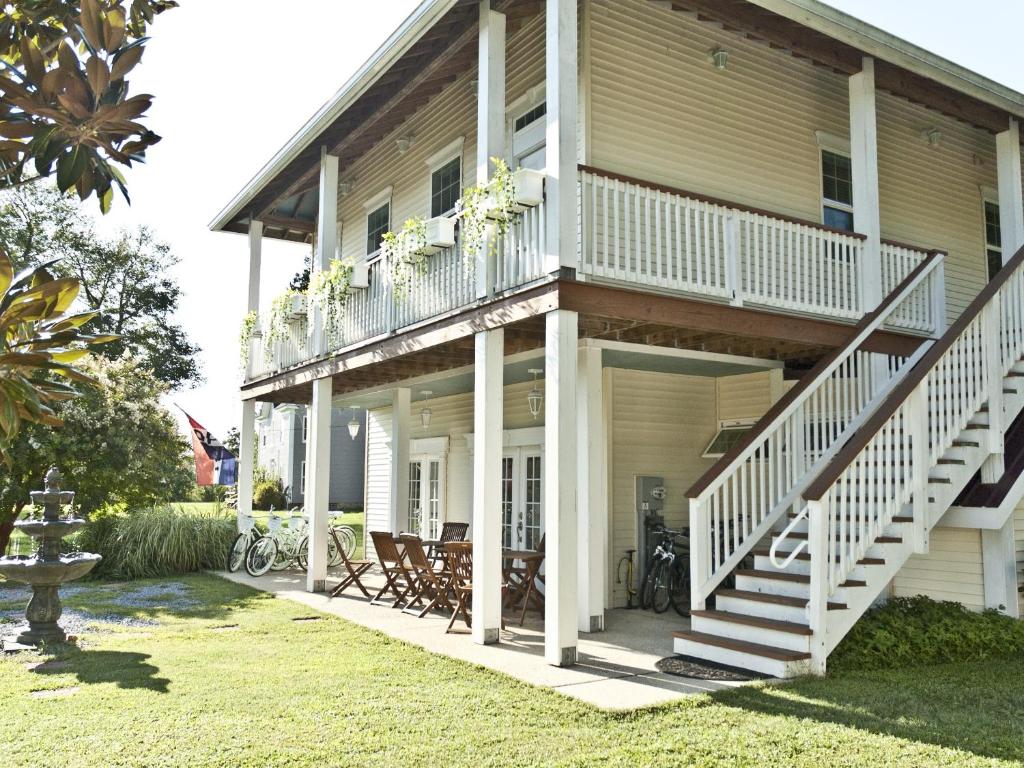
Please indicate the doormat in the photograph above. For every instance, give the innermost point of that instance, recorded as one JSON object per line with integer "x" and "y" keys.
{"x": 699, "y": 669}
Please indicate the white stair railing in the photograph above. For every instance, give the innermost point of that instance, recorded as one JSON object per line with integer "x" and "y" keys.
{"x": 745, "y": 494}
{"x": 884, "y": 470}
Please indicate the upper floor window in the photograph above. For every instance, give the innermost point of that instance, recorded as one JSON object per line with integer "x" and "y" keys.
{"x": 305, "y": 428}
{"x": 530, "y": 116}
{"x": 836, "y": 190}
{"x": 378, "y": 221}
{"x": 993, "y": 239}
{"x": 445, "y": 187}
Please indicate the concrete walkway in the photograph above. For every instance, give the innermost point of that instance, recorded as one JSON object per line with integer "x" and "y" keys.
{"x": 616, "y": 667}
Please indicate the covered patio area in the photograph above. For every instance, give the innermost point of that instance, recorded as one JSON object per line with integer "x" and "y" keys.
{"x": 615, "y": 669}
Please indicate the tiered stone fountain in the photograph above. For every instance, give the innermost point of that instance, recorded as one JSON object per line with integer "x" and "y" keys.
{"x": 47, "y": 569}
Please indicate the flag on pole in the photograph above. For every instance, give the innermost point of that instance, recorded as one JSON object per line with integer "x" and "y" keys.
{"x": 215, "y": 464}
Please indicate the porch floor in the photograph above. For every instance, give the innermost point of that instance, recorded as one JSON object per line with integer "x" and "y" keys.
{"x": 616, "y": 668}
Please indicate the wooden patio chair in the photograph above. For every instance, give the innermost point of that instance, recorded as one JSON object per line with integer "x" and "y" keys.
{"x": 449, "y": 532}
{"x": 432, "y": 584}
{"x": 355, "y": 568}
{"x": 460, "y": 565}
{"x": 398, "y": 581}
{"x": 522, "y": 584}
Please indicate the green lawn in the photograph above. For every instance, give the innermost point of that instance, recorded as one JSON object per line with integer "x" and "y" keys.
{"x": 274, "y": 691}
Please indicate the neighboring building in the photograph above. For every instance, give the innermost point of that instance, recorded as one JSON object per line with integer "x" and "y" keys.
{"x": 282, "y": 434}
{"x": 757, "y": 279}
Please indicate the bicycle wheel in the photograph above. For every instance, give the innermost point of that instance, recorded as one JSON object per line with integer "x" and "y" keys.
{"x": 302, "y": 556}
{"x": 284, "y": 557}
{"x": 333, "y": 555}
{"x": 679, "y": 586}
{"x": 660, "y": 599}
{"x": 261, "y": 556}
{"x": 236, "y": 555}
{"x": 647, "y": 585}
{"x": 347, "y": 538}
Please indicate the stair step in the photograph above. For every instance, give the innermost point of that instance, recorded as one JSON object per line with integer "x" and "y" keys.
{"x": 1016, "y": 374}
{"x": 797, "y": 578}
{"x": 896, "y": 519}
{"x": 764, "y": 597}
{"x": 755, "y": 621}
{"x": 940, "y": 480}
{"x": 966, "y": 444}
{"x": 807, "y": 556}
{"x": 754, "y": 649}
{"x": 956, "y": 462}
{"x": 878, "y": 539}
{"x": 976, "y": 426}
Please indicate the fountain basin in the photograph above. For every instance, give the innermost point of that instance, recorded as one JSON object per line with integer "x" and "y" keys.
{"x": 38, "y": 572}
{"x": 39, "y": 529}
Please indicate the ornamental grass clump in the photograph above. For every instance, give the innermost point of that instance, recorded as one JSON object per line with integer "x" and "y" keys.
{"x": 158, "y": 542}
{"x": 919, "y": 631}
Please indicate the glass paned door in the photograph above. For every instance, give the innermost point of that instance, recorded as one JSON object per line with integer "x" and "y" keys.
{"x": 522, "y": 499}
{"x": 426, "y": 497}
{"x": 413, "y": 523}
{"x": 507, "y": 501}
{"x": 433, "y": 526}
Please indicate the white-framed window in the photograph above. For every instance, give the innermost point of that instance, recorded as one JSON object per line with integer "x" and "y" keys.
{"x": 993, "y": 236}
{"x": 302, "y": 476}
{"x": 305, "y": 428}
{"x": 836, "y": 182}
{"x": 728, "y": 435}
{"x": 378, "y": 219}
{"x": 445, "y": 169}
{"x": 527, "y": 129}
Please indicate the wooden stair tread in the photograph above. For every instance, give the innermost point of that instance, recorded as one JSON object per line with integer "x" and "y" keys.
{"x": 807, "y": 556}
{"x": 899, "y": 519}
{"x": 755, "y": 621}
{"x": 878, "y": 539}
{"x": 797, "y": 578}
{"x": 764, "y": 597}
{"x": 966, "y": 444}
{"x": 754, "y": 649}
{"x": 959, "y": 462}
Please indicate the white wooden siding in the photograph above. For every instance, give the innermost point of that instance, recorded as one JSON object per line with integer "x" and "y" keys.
{"x": 745, "y": 396}
{"x": 952, "y": 569}
{"x": 378, "y": 474}
{"x": 1018, "y": 532}
{"x": 660, "y": 111}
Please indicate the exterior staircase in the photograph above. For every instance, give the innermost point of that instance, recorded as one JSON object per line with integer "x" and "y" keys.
{"x": 822, "y": 505}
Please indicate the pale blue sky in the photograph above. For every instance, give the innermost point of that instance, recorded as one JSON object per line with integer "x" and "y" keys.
{"x": 234, "y": 79}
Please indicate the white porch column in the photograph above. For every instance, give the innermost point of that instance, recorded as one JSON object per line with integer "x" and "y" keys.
{"x": 1011, "y": 200}
{"x": 488, "y": 423}
{"x": 400, "y": 410}
{"x": 999, "y": 564}
{"x": 247, "y": 435}
{"x": 326, "y": 237}
{"x": 592, "y": 491}
{"x": 318, "y": 483}
{"x": 864, "y": 162}
{"x": 490, "y": 121}
{"x": 562, "y": 96}
{"x": 560, "y": 602}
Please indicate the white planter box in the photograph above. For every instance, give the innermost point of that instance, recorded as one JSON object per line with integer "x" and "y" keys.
{"x": 360, "y": 279}
{"x": 440, "y": 233}
{"x": 529, "y": 188}
{"x": 297, "y": 307}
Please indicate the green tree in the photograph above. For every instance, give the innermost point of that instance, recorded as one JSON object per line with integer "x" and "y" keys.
{"x": 118, "y": 445}
{"x": 125, "y": 276}
{"x": 65, "y": 103}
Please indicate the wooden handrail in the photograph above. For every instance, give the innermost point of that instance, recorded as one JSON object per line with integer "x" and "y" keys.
{"x": 755, "y": 434}
{"x": 825, "y": 479}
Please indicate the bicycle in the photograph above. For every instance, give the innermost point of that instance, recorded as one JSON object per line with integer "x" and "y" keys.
{"x": 667, "y": 581}
{"x": 630, "y": 589}
{"x": 239, "y": 549}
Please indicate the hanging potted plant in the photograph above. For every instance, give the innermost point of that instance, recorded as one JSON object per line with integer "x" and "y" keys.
{"x": 527, "y": 189}
{"x": 439, "y": 233}
{"x": 245, "y": 338}
{"x": 282, "y": 317}
{"x": 329, "y": 290}
{"x": 405, "y": 253}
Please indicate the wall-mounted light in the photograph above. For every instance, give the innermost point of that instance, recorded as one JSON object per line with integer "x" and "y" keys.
{"x": 933, "y": 136}
{"x": 344, "y": 187}
{"x": 720, "y": 58}
{"x": 404, "y": 143}
{"x": 353, "y": 426}
{"x": 426, "y": 413}
{"x": 535, "y": 398}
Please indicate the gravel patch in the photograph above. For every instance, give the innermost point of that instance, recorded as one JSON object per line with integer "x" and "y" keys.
{"x": 172, "y": 595}
{"x": 685, "y": 666}
{"x": 77, "y": 622}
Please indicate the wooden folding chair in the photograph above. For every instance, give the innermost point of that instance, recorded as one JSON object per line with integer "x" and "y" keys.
{"x": 433, "y": 585}
{"x": 355, "y": 568}
{"x": 460, "y": 565}
{"x": 523, "y": 583}
{"x": 449, "y": 532}
{"x": 398, "y": 581}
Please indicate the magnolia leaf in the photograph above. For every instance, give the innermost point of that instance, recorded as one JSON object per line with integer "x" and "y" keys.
{"x": 69, "y": 356}
{"x": 113, "y": 29}
{"x": 73, "y": 321}
{"x": 6, "y": 272}
{"x": 125, "y": 60}
{"x": 99, "y": 75}
{"x": 92, "y": 23}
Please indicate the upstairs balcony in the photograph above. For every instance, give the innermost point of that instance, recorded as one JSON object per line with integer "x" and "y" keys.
{"x": 633, "y": 234}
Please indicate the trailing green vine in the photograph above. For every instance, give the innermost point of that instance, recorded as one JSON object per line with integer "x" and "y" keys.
{"x": 279, "y": 323}
{"x": 329, "y": 291}
{"x": 245, "y": 338}
{"x": 405, "y": 253}
{"x": 481, "y": 207}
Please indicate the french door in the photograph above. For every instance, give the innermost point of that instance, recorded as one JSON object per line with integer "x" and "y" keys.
{"x": 522, "y": 498}
{"x": 426, "y": 497}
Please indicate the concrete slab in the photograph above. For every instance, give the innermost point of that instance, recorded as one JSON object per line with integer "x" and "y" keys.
{"x": 616, "y": 669}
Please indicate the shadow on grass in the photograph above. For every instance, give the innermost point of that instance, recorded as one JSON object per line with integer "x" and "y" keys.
{"x": 970, "y": 707}
{"x": 126, "y": 670}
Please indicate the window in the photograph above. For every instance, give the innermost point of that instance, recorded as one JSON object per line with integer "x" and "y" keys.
{"x": 378, "y": 221}
{"x": 531, "y": 116}
{"x": 837, "y": 190}
{"x": 302, "y": 475}
{"x": 993, "y": 239}
{"x": 445, "y": 187}
{"x": 305, "y": 428}
{"x": 414, "y": 522}
{"x": 729, "y": 434}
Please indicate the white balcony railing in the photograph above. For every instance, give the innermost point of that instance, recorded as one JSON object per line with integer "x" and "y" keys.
{"x": 656, "y": 237}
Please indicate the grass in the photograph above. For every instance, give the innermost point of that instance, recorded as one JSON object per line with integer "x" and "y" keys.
{"x": 330, "y": 693}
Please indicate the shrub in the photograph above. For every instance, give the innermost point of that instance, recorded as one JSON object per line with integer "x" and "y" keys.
{"x": 269, "y": 494}
{"x": 157, "y": 542}
{"x": 917, "y": 631}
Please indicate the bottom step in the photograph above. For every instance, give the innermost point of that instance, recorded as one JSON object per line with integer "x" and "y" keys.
{"x": 766, "y": 659}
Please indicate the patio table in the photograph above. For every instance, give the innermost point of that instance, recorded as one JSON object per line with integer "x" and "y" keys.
{"x": 522, "y": 582}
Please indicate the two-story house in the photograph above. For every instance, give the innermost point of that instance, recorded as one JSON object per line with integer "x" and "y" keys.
{"x": 774, "y": 268}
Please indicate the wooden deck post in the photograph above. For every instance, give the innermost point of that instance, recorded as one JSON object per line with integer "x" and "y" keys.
{"x": 560, "y": 601}
{"x": 1011, "y": 198}
{"x": 864, "y": 165}
{"x": 999, "y": 564}
{"x": 592, "y": 490}
{"x": 318, "y": 483}
{"x": 562, "y": 97}
{"x": 400, "y": 414}
{"x": 488, "y": 424}
{"x": 490, "y": 122}
{"x": 326, "y": 239}
{"x": 247, "y": 437}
